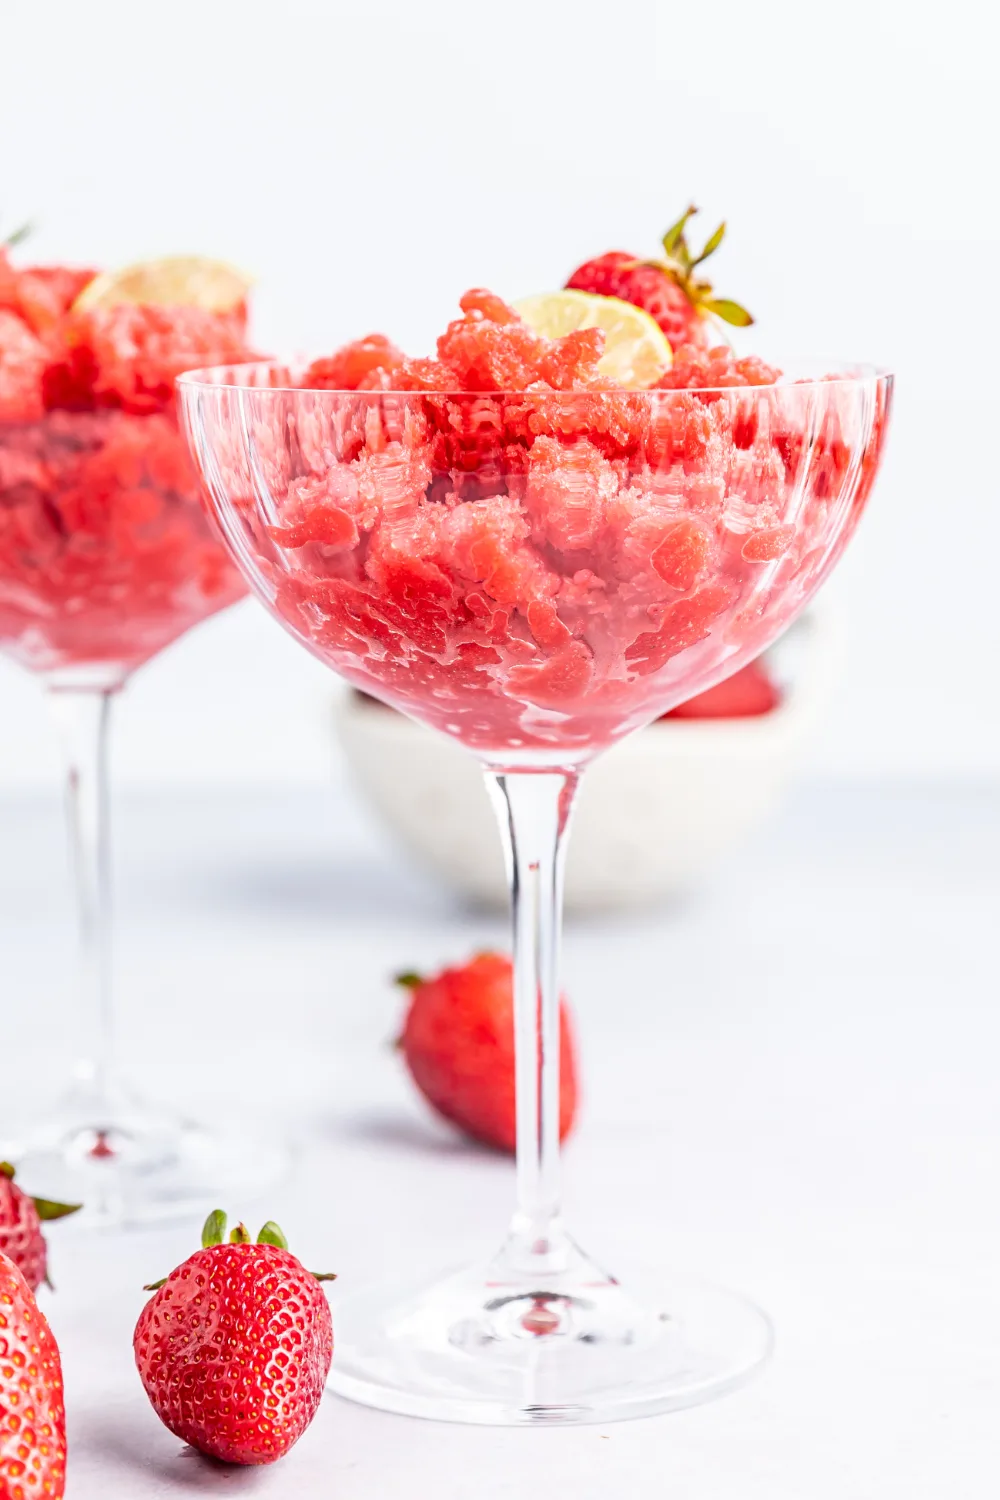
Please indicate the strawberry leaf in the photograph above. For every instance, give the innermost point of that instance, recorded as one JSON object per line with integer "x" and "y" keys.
{"x": 409, "y": 980}
{"x": 16, "y": 236}
{"x": 6, "y": 1170}
{"x": 154, "y": 1286}
{"x": 711, "y": 245}
{"x": 240, "y": 1235}
{"x": 272, "y": 1235}
{"x": 324, "y": 1275}
{"x": 47, "y": 1209}
{"x": 675, "y": 234}
{"x": 214, "y": 1231}
{"x": 730, "y": 312}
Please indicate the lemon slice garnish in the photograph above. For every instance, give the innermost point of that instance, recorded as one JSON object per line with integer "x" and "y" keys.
{"x": 636, "y": 351}
{"x": 176, "y": 280}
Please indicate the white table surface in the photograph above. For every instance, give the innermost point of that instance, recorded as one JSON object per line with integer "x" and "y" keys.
{"x": 791, "y": 1086}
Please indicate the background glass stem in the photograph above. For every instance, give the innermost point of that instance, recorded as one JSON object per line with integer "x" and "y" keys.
{"x": 534, "y": 811}
{"x": 83, "y": 715}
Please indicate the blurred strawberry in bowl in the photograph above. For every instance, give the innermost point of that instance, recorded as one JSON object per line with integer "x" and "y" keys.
{"x": 749, "y": 692}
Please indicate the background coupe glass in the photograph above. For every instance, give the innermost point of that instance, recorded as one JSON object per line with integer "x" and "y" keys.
{"x": 537, "y": 575}
{"x": 106, "y": 557}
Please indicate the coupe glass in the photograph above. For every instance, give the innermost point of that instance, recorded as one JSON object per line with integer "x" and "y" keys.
{"x": 537, "y": 574}
{"x": 106, "y": 557}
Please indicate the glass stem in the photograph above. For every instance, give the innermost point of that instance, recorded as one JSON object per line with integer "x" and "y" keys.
{"x": 83, "y": 716}
{"x": 534, "y": 809}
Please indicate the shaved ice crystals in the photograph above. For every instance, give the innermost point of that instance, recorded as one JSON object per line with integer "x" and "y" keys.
{"x": 500, "y": 541}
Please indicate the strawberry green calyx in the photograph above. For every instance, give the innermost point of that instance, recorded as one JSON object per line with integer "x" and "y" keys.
{"x": 214, "y": 1231}
{"x": 10, "y": 241}
{"x": 729, "y": 311}
{"x": 271, "y": 1234}
{"x": 47, "y": 1209}
{"x": 214, "y": 1237}
{"x": 674, "y": 236}
{"x": 679, "y": 264}
{"x": 408, "y": 980}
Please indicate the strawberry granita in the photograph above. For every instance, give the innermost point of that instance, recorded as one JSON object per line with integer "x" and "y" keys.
{"x": 105, "y": 552}
{"x": 504, "y": 544}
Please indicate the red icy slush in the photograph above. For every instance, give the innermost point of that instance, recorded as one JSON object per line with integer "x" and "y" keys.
{"x": 105, "y": 552}
{"x": 510, "y": 547}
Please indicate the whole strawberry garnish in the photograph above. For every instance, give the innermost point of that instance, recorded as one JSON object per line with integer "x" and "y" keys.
{"x": 683, "y": 304}
{"x": 458, "y": 1042}
{"x": 21, "y": 1219}
{"x": 235, "y": 1347}
{"x": 32, "y": 1412}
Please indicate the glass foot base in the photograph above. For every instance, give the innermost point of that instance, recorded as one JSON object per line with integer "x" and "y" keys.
{"x": 496, "y": 1345}
{"x": 127, "y": 1163}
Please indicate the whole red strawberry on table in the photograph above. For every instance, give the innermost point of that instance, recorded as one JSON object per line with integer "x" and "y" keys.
{"x": 458, "y": 1044}
{"x": 32, "y": 1409}
{"x": 21, "y": 1219}
{"x": 234, "y": 1347}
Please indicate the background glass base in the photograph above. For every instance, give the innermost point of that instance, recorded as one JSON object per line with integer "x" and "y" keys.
{"x": 486, "y": 1346}
{"x": 130, "y": 1163}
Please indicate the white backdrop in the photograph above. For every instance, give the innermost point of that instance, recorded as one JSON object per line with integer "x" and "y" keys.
{"x": 370, "y": 161}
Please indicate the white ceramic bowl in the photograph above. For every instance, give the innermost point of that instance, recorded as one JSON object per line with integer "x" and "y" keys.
{"x": 654, "y": 813}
